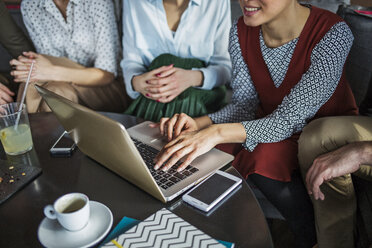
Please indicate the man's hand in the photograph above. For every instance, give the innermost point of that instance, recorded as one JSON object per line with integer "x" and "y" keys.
{"x": 342, "y": 161}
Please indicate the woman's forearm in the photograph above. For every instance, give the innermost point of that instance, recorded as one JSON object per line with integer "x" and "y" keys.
{"x": 82, "y": 76}
{"x": 229, "y": 133}
{"x": 196, "y": 78}
{"x": 203, "y": 122}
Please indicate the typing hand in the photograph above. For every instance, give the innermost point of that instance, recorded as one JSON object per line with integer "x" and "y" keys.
{"x": 173, "y": 127}
{"x": 190, "y": 145}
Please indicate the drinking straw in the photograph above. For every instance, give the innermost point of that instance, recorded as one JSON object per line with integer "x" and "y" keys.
{"x": 23, "y": 96}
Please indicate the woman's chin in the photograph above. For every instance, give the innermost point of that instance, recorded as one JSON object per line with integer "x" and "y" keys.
{"x": 249, "y": 21}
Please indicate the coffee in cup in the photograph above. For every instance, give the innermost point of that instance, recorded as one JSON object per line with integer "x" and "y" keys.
{"x": 71, "y": 210}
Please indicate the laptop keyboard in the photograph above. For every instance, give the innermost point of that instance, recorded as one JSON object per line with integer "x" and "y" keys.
{"x": 164, "y": 179}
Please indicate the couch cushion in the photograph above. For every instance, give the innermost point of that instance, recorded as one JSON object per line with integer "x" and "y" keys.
{"x": 359, "y": 63}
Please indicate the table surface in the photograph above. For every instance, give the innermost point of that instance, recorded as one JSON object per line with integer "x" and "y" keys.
{"x": 239, "y": 219}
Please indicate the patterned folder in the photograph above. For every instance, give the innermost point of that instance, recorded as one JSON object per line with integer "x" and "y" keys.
{"x": 163, "y": 229}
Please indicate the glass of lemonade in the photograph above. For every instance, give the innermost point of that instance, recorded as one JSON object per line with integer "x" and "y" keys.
{"x": 15, "y": 137}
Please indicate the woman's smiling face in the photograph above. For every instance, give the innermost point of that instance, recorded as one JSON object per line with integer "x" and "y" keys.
{"x": 258, "y": 12}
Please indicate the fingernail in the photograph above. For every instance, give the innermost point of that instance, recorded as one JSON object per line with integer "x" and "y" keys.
{"x": 158, "y": 75}
{"x": 171, "y": 65}
{"x": 158, "y": 100}
{"x": 147, "y": 94}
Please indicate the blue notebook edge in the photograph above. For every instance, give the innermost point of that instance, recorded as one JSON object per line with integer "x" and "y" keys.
{"x": 127, "y": 223}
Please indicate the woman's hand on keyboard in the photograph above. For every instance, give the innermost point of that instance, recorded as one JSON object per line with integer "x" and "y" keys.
{"x": 188, "y": 144}
{"x": 178, "y": 124}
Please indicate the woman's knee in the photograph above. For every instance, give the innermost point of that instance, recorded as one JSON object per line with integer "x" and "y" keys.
{"x": 64, "y": 89}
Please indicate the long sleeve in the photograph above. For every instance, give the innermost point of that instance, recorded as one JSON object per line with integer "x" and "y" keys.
{"x": 132, "y": 63}
{"x": 244, "y": 100}
{"x": 202, "y": 34}
{"x": 313, "y": 90}
{"x": 218, "y": 71}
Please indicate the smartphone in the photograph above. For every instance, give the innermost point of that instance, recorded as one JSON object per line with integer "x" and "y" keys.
{"x": 63, "y": 147}
{"x": 212, "y": 190}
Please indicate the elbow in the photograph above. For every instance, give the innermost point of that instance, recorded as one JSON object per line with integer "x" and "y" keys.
{"x": 105, "y": 78}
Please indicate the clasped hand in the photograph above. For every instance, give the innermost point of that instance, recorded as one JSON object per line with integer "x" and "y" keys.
{"x": 41, "y": 72}
{"x": 166, "y": 83}
{"x": 185, "y": 141}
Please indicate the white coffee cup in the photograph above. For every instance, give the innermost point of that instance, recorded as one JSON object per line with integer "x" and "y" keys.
{"x": 71, "y": 210}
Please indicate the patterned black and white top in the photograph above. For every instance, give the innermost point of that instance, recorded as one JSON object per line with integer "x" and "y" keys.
{"x": 305, "y": 98}
{"x": 88, "y": 36}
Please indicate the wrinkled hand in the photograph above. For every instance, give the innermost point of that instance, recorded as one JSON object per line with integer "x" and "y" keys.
{"x": 340, "y": 162}
{"x": 41, "y": 72}
{"x": 5, "y": 94}
{"x": 141, "y": 83}
{"x": 173, "y": 127}
{"x": 189, "y": 145}
{"x": 168, "y": 85}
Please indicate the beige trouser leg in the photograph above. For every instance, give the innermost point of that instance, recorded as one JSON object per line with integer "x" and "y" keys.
{"x": 111, "y": 97}
{"x": 334, "y": 216}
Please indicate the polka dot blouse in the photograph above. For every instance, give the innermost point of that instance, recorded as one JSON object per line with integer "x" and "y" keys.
{"x": 88, "y": 35}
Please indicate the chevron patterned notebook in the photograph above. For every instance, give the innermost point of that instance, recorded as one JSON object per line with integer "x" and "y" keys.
{"x": 163, "y": 229}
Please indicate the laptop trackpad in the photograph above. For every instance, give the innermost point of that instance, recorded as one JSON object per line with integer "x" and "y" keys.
{"x": 148, "y": 135}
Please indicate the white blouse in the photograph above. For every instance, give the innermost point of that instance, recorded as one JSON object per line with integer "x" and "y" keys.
{"x": 203, "y": 33}
{"x": 88, "y": 36}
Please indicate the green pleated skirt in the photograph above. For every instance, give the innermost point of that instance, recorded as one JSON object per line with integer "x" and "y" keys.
{"x": 193, "y": 102}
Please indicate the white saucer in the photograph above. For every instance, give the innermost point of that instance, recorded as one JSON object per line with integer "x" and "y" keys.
{"x": 52, "y": 234}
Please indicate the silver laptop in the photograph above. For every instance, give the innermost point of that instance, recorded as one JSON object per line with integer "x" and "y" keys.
{"x": 129, "y": 152}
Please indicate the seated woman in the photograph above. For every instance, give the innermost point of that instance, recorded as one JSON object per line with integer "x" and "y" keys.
{"x": 175, "y": 56}
{"x": 287, "y": 63}
{"x": 77, "y": 46}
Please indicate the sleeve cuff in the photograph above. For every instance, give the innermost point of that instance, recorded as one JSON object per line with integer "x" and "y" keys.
{"x": 248, "y": 145}
{"x": 213, "y": 117}
{"x": 210, "y": 79}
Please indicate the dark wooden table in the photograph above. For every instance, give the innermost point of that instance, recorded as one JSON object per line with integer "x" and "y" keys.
{"x": 239, "y": 219}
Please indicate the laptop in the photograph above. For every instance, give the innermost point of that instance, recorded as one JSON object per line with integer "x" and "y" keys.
{"x": 129, "y": 152}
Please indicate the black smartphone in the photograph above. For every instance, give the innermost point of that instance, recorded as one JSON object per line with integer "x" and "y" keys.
{"x": 63, "y": 147}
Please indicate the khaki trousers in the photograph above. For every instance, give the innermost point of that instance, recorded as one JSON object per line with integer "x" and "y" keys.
{"x": 111, "y": 97}
{"x": 335, "y": 215}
